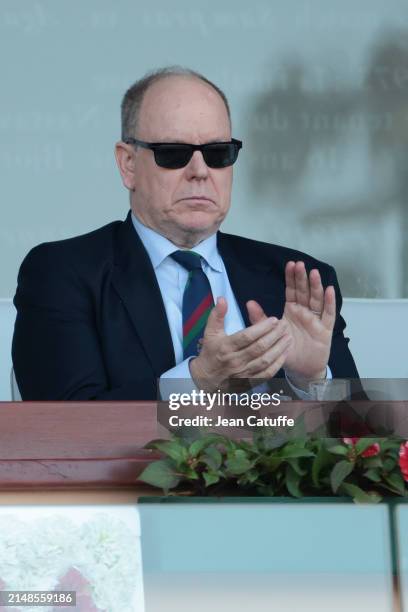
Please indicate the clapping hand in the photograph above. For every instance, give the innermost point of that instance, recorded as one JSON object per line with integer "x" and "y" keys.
{"x": 257, "y": 351}
{"x": 310, "y": 312}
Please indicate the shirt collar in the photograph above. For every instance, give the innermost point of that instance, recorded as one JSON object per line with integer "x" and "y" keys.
{"x": 159, "y": 247}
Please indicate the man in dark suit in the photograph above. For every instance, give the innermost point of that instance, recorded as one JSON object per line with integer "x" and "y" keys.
{"x": 105, "y": 315}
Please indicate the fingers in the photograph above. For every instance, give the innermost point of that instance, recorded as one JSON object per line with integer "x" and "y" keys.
{"x": 297, "y": 283}
{"x": 260, "y": 346}
{"x": 328, "y": 312}
{"x": 242, "y": 339}
{"x": 258, "y": 355}
{"x": 263, "y": 363}
{"x": 304, "y": 290}
{"x": 255, "y": 312}
{"x": 316, "y": 302}
{"x": 273, "y": 367}
{"x": 302, "y": 284}
{"x": 269, "y": 344}
{"x": 329, "y": 308}
{"x": 290, "y": 291}
{"x": 215, "y": 322}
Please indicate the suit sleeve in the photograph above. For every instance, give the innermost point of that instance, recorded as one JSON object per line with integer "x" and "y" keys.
{"x": 56, "y": 348}
{"x": 341, "y": 361}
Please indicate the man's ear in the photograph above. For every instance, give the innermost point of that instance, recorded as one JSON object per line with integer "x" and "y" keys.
{"x": 125, "y": 158}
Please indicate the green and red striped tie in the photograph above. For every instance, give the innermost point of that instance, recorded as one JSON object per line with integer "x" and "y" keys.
{"x": 197, "y": 301}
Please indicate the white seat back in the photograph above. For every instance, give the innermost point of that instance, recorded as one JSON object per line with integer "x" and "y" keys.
{"x": 7, "y": 318}
{"x": 378, "y": 332}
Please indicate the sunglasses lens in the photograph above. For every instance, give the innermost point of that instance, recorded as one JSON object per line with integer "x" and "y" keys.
{"x": 220, "y": 155}
{"x": 172, "y": 156}
{"x": 216, "y": 155}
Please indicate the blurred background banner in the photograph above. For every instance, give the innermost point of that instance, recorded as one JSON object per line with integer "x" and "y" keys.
{"x": 318, "y": 93}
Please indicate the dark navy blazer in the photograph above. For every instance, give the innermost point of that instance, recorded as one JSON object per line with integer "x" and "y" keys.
{"x": 91, "y": 322}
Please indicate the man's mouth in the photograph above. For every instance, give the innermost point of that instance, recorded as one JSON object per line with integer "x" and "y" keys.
{"x": 197, "y": 199}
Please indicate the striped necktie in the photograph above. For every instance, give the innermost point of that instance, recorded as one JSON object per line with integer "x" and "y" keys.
{"x": 197, "y": 301}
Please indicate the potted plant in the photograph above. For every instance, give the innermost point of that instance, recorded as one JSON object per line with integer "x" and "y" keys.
{"x": 280, "y": 465}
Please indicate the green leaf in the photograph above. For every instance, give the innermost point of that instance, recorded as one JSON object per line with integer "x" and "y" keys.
{"x": 373, "y": 462}
{"x": 389, "y": 464}
{"x": 238, "y": 462}
{"x": 328, "y": 442}
{"x": 294, "y": 451}
{"x": 340, "y": 471}
{"x": 373, "y": 474}
{"x": 189, "y": 473}
{"x": 249, "y": 477}
{"x": 210, "y": 478}
{"x": 359, "y": 495}
{"x": 198, "y": 445}
{"x": 245, "y": 445}
{"x": 364, "y": 443}
{"x": 212, "y": 457}
{"x": 397, "y": 483}
{"x": 172, "y": 448}
{"x": 270, "y": 463}
{"x": 337, "y": 449}
{"x": 160, "y": 474}
{"x": 390, "y": 444}
{"x": 292, "y": 482}
{"x": 322, "y": 459}
{"x": 267, "y": 490}
{"x": 294, "y": 463}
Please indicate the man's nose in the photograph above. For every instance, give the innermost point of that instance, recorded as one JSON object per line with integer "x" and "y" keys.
{"x": 196, "y": 167}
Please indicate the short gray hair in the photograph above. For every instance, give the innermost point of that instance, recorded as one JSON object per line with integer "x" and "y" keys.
{"x": 133, "y": 98}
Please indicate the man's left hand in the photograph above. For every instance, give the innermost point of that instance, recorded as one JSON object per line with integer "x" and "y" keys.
{"x": 310, "y": 312}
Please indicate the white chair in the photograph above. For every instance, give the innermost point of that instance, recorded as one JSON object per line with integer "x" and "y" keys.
{"x": 378, "y": 332}
{"x": 7, "y": 318}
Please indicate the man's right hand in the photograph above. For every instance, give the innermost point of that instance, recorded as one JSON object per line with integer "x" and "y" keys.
{"x": 258, "y": 351}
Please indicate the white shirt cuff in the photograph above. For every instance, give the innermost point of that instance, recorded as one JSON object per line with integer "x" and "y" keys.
{"x": 177, "y": 380}
{"x": 304, "y": 395}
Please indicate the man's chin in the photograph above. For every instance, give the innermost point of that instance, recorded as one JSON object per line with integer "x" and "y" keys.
{"x": 199, "y": 222}
{"x": 187, "y": 234}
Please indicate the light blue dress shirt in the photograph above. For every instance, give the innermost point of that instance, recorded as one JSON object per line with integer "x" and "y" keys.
{"x": 172, "y": 279}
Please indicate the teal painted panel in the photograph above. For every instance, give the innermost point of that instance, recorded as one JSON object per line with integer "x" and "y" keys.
{"x": 268, "y": 537}
{"x": 401, "y": 532}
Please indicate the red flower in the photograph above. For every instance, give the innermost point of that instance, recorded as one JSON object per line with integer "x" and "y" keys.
{"x": 371, "y": 451}
{"x": 403, "y": 460}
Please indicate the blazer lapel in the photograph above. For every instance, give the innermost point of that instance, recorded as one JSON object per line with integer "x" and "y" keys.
{"x": 251, "y": 280}
{"x": 135, "y": 281}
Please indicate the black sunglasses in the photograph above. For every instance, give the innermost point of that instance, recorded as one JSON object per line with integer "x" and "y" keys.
{"x": 174, "y": 155}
